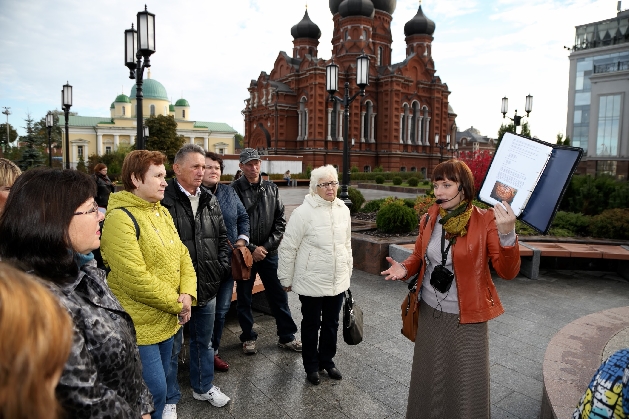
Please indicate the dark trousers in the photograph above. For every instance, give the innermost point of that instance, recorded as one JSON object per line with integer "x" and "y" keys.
{"x": 276, "y": 296}
{"x": 319, "y": 328}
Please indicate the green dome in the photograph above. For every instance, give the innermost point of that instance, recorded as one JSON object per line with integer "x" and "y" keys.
{"x": 152, "y": 89}
{"x": 182, "y": 102}
{"x": 122, "y": 98}
{"x": 112, "y": 106}
{"x": 171, "y": 108}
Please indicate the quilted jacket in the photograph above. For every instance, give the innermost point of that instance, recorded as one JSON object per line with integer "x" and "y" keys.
{"x": 234, "y": 213}
{"x": 205, "y": 236}
{"x": 103, "y": 375}
{"x": 478, "y": 298}
{"x": 147, "y": 274}
{"x": 315, "y": 256}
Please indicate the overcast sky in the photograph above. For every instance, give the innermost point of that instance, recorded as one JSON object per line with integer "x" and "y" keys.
{"x": 208, "y": 52}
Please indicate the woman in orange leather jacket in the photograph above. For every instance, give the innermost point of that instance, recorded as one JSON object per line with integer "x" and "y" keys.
{"x": 450, "y": 375}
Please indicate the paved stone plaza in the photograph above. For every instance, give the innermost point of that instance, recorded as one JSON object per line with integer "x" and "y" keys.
{"x": 376, "y": 373}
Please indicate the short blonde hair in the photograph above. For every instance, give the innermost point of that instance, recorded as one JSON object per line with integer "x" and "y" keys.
{"x": 319, "y": 173}
{"x": 8, "y": 172}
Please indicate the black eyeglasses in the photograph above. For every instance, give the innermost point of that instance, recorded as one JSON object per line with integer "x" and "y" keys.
{"x": 90, "y": 211}
{"x": 333, "y": 184}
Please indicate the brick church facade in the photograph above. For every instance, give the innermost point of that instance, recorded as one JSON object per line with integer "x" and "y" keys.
{"x": 396, "y": 123}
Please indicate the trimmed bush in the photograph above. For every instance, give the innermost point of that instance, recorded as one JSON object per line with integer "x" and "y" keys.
{"x": 379, "y": 180}
{"x": 395, "y": 217}
{"x": 572, "y": 222}
{"x": 397, "y": 180}
{"x": 373, "y": 206}
{"x": 412, "y": 181}
{"x": 611, "y": 224}
{"x": 409, "y": 202}
{"x": 355, "y": 196}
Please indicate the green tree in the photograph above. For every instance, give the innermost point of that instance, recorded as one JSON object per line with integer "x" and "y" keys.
{"x": 240, "y": 140}
{"x": 163, "y": 136}
{"x": 3, "y": 136}
{"x": 559, "y": 138}
{"x": 81, "y": 165}
{"x": 31, "y": 156}
{"x": 526, "y": 132}
{"x": 56, "y": 136}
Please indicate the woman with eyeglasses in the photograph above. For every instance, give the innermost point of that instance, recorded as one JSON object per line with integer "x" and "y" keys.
{"x": 315, "y": 261}
{"x": 49, "y": 227}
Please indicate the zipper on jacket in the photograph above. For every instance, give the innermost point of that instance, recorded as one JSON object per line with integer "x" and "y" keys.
{"x": 491, "y": 297}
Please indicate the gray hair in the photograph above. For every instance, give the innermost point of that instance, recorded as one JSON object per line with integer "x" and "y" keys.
{"x": 187, "y": 149}
{"x": 319, "y": 173}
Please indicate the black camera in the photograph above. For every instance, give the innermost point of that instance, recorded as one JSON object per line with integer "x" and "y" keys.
{"x": 441, "y": 279}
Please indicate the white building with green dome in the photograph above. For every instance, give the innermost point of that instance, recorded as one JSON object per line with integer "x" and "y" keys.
{"x": 100, "y": 135}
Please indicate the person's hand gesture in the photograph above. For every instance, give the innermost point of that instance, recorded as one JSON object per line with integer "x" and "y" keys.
{"x": 505, "y": 218}
{"x": 259, "y": 254}
{"x": 186, "y": 312}
{"x": 395, "y": 272}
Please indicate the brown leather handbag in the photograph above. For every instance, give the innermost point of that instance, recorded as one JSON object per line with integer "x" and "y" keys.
{"x": 242, "y": 261}
{"x": 410, "y": 310}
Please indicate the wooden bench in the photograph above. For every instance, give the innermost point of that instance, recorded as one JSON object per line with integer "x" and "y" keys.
{"x": 532, "y": 252}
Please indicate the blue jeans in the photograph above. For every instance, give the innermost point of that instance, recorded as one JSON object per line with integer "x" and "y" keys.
{"x": 276, "y": 296}
{"x": 155, "y": 367}
{"x": 319, "y": 327}
{"x": 223, "y": 302}
{"x": 201, "y": 325}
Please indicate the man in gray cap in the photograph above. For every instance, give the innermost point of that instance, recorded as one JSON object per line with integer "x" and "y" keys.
{"x": 266, "y": 217}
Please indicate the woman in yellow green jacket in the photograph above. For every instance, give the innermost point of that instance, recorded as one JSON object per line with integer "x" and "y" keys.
{"x": 151, "y": 271}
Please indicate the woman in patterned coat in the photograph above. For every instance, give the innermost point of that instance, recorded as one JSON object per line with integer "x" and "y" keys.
{"x": 49, "y": 227}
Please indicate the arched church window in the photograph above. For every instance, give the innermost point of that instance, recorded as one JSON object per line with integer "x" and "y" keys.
{"x": 403, "y": 169}
{"x": 183, "y": 113}
{"x": 364, "y": 34}
{"x": 302, "y": 131}
{"x": 404, "y": 126}
{"x": 380, "y": 53}
{"x": 152, "y": 110}
{"x": 367, "y": 128}
{"x": 367, "y": 169}
{"x": 346, "y": 34}
{"x": 124, "y": 110}
{"x": 414, "y": 124}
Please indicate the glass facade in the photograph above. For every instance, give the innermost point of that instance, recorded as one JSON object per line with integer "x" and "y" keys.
{"x": 582, "y": 96}
{"x": 607, "y": 134}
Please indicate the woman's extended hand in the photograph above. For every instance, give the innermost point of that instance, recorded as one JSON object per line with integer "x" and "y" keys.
{"x": 395, "y": 272}
{"x": 505, "y": 218}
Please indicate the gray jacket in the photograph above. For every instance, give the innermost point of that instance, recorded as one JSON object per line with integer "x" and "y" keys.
{"x": 266, "y": 213}
{"x": 103, "y": 375}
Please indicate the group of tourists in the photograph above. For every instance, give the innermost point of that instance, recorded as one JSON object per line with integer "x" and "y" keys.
{"x": 98, "y": 343}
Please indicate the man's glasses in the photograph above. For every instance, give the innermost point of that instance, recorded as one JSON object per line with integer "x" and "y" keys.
{"x": 90, "y": 211}
{"x": 328, "y": 184}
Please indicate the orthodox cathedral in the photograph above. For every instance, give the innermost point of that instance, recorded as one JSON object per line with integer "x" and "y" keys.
{"x": 403, "y": 122}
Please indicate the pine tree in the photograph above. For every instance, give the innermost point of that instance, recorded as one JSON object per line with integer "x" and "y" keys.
{"x": 31, "y": 156}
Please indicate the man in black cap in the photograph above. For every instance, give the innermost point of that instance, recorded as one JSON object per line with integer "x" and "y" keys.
{"x": 266, "y": 217}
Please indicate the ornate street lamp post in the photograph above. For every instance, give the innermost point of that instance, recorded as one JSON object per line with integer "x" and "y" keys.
{"x": 528, "y": 108}
{"x": 49, "y": 123}
{"x": 331, "y": 85}
{"x": 442, "y": 147}
{"x": 139, "y": 44}
{"x": 66, "y": 104}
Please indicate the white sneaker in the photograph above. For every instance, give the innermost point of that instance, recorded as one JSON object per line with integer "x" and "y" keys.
{"x": 170, "y": 411}
{"x": 215, "y": 396}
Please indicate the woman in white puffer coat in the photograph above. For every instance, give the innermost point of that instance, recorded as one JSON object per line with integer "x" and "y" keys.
{"x": 315, "y": 261}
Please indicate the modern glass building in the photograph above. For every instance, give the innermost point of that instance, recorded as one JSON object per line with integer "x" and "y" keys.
{"x": 598, "y": 96}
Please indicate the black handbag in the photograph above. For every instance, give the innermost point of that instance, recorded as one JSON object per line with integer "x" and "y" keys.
{"x": 352, "y": 321}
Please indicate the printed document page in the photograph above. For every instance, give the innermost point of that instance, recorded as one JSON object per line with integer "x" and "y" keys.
{"x": 514, "y": 171}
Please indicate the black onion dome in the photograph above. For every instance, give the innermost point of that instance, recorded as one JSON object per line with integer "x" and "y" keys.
{"x": 334, "y": 6}
{"x": 385, "y": 5}
{"x": 306, "y": 28}
{"x": 419, "y": 25}
{"x": 356, "y": 8}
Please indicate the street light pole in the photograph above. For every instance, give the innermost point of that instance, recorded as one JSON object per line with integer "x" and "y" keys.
{"x": 66, "y": 104}
{"x": 140, "y": 44}
{"x": 49, "y": 124}
{"x": 331, "y": 85}
{"x": 7, "y": 112}
{"x": 528, "y": 108}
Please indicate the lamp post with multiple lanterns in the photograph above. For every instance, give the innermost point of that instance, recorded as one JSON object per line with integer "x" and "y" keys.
{"x": 331, "y": 85}
{"x": 49, "y": 123}
{"x": 447, "y": 146}
{"x": 66, "y": 104}
{"x": 140, "y": 44}
{"x": 528, "y": 108}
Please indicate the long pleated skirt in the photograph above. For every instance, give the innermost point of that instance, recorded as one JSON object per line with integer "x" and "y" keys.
{"x": 450, "y": 376}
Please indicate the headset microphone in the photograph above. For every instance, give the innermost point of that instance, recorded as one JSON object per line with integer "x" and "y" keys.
{"x": 441, "y": 201}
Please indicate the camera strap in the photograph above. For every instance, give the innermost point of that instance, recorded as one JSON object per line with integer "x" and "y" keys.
{"x": 444, "y": 252}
